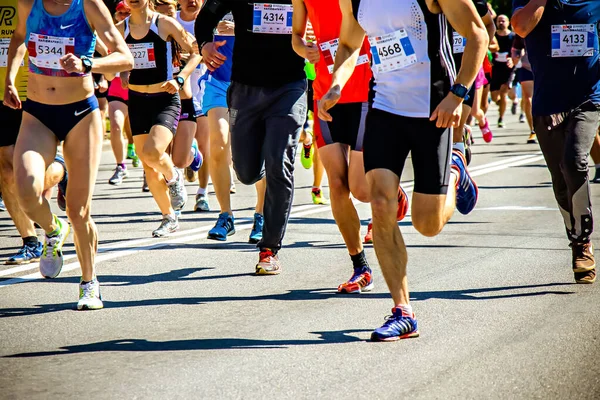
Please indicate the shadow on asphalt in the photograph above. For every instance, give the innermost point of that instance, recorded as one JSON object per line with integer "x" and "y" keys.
{"x": 143, "y": 345}
{"x": 292, "y": 295}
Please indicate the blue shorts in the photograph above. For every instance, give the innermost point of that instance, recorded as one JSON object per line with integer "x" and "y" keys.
{"x": 215, "y": 93}
{"x": 61, "y": 119}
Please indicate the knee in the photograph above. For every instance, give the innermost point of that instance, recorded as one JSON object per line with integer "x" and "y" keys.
{"x": 150, "y": 154}
{"x": 383, "y": 205}
{"x": 428, "y": 225}
{"x": 218, "y": 153}
{"x": 78, "y": 215}
{"x": 247, "y": 176}
{"x": 338, "y": 187}
{"x": 180, "y": 161}
{"x": 360, "y": 193}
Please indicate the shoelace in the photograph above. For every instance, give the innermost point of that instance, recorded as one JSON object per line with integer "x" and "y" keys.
{"x": 88, "y": 291}
{"x": 222, "y": 221}
{"x": 307, "y": 151}
{"x": 51, "y": 242}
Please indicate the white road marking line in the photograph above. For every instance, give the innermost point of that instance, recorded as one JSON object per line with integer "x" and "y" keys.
{"x": 517, "y": 208}
{"x": 129, "y": 247}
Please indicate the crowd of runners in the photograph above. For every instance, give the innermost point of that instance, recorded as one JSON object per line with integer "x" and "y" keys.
{"x": 210, "y": 90}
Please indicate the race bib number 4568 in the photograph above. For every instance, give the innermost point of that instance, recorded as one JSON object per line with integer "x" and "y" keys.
{"x": 392, "y": 51}
{"x": 272, "y": 18}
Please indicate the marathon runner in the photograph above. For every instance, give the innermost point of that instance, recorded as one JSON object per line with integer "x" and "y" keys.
{"x": 154, "y": 103}
{"x": 418, "y": 99}
{"x": 562, "y": 45}
{"x": 525, "y": 79}
{"x": 61, "y": 106}
{"x": 502, "y": 66}
{"x": 267, "y": 105}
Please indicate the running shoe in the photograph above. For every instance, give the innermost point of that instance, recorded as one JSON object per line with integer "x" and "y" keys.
{"x": 532, "y": 139}
{"x": 361, "y": 281}
{"x": 89, "y": 296}
{"x": 232, "y": 189}
{"x": 120, "y": 174}
{"x": 596, "y": 178}
{"x": 131, "y": 151}
{"x": 369, "y": 236}
{"x": 201, "y": 203}
{"x": 306, "y": 158}
{"x": 196, "y": 163}
{"x": 513, "y": 108}
{"x": 2, "y": 205}
{"x": 167, "y": 226}
{"x": 27, "y": 254}
{"x": 402, "y": 204}
{"x": 397, "y": 326}
{"x": 224, "y": 227}
{"x": 467, "y": 135}
{"x": 318, "y": 198}
{"x": 257, "y": 228}
{"x": 51, "y": 260}
{"x": 61, "y": 195}
{"x": 522, "y": 118}
{"x": 177, "y": 191}
{"x": 486, "y": 132}
{"x": 584, "y": 263}
{"x": 135, "y": 161}
{"x": 268, "y": 263}
{"x": 145, "y": 187}
{"x": 466, "y": 190}
{"x": 500, "y": 123}
{"x": 191, "y": 175}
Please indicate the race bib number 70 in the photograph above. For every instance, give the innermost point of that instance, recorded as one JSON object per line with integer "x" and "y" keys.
{"x": 272, "y": 18}
{"x": 392, "y": 51}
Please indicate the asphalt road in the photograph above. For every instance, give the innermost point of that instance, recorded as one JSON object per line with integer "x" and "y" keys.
{"x": 499, "y": 313}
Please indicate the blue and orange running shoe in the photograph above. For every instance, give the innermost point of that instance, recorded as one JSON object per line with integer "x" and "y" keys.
{"x": 402, "y": 204}
{"x": 361, "y": 281}
{"x": 397, "y": 326}
{"x": 466, "y": 189}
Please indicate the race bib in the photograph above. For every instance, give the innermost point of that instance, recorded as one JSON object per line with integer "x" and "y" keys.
{"x": 579, "y": 40}
{"x": 329, "y": 50}
{"x": 143, "y": 55}
{"x": 501, "y": 57}
{"x": 458, "y": 43}
{"x": 392, "y": 51}
{"x": 272, "y": 18}
{"x": 46, "y": 51}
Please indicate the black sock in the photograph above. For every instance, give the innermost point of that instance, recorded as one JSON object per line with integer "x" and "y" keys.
{"x": 360, "y": 260}
{"x": 85, "y": 282}
{"x": 31, "y": 241}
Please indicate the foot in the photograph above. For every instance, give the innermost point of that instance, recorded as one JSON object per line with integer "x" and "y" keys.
{"x": 306, "y": 158}
{"x": 167, "y": 226}
{"x": 232, "y": 189}
{"x": 402, "y": 204}
{"x": 2, "y": 205}
{"x": 268, "y": 263}
{"x": 131, "y": 151}
{"x": 361, "y": 281}
{"x": 51, "y": 260}
{"x": 89, "y": 296}
{"x": 224, "y": 227}
{"x": 61, "y": 199}
{"x": 190, "y": 175}
{"x": 318, "y": 198}
{"x": 135, "y": 161}
{"x": 397, "y": 326}
{"x": 513, "y": 108}
{"x": 532, "y": 139}
{"x": 145, "y": 187}
{"x": 27, "y": 254}
{"x": 583, "y": 262}
{"x": 466, "y": 189}
{"x": 120, "y": 174}
{"x": 257, "y": 228}
{"x": 486, "y": 131}
{"x": 369, "y": 236}
{"x": 201, "y": 203}
{"x": 500, "y": 123}
{"x": 522, "y": 118}
{"x": 196, "y": 163}
{"x": 596, "y": 176}
{"x": 177, "y": 191}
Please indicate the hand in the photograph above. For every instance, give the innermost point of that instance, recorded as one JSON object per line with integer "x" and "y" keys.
{"x": 72, "y": 64}
{"x": 211, "y": 56}
{"x": 312, "y": 53}
{"x": 510, "y": 63}
{"x": 102, "y": 85}
{"x": 448, "y": 112}
{"x": 328, "y": 101}
{"x": 225, "y": 28}
{"x": 171, "y": 86}
{"x": 11, "y": 97}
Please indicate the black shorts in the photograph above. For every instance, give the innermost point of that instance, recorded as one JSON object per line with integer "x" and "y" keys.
{"x": 101, "y": 95}
{"x": 11, "y": 123}
{"x": 149, "y": 109}
{"x": 116, "y": 98}
{"x": 309, "y": 96}
{"x": 390, "y": 137}
{"x": 500, "y": 76}
{"x": 524, "y": 75}
{"x": 187, "y": 110}
{"x": 471, "y": 97}
{"x": 347, "y": 127}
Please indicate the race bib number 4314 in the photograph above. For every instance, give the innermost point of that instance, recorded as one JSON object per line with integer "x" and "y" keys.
{"x": 272, "y": 18}
{"x": 392, "y": 51}
{"x": 578, "y": 40}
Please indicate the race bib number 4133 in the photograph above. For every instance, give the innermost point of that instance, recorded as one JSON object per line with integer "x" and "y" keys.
{"x": 272, "y": 18}
{"x": 392, "y": 51}
{"x": 578, "y": 40}
{"x": 46, "y": 51}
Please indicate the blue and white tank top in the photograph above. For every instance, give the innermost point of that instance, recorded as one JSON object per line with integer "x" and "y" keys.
{"x": 51, "y": 37}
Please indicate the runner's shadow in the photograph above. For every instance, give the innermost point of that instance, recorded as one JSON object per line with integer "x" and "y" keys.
{"x": 143, "y": 345}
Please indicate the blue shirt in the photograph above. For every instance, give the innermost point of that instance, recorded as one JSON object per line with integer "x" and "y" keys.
{"x": 563, "y": 83}
{"x": 223, "y": 73}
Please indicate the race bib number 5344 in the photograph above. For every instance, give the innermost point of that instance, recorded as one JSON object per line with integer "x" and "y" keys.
{"x": 46, "y": 51}
{"x": 272, "y": 18}
{"x": 392, "y": 51}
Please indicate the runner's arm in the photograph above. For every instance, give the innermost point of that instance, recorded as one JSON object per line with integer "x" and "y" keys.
{"x": 16, "y": 52}
{"x": 119, "y": 57}
{"x": 527, "y": 14}
{"x": 352, "y": 36}
{"x": 307, "y": 50}
{"x": 103, "y": 50}
{"x": 490, "y": 26}
{"x": 207, "y": 20}
{"x": 187, "y": 43}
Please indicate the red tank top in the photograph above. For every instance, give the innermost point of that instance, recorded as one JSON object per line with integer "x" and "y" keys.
{"x": 326, "y": 18}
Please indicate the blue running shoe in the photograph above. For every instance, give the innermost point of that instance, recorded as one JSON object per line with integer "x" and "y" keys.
{"x": 27, "y": 254}
{"x": 197, "y": 161}
{"x": 257, "y": 228}
{"x": 223, "y": 228}
{"x": 61, "y": 199}
{"x": 397, "y": 326}
{"x": 466, "y": 191}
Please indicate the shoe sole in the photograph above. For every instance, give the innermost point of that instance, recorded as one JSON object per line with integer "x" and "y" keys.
{"x": 254, "y": 241}
{"x": 219, "y": 238}
{"x": 88, "y": 308}
{"x": 8, "y": 262}
{"x": 395, "y": 338}
{"x": 262, "y": 271}
{"x": 367, "y": 288}
{"x": 579, "y": 270}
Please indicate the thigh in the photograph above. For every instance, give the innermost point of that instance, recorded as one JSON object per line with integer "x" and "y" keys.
{"x": 159, "y": 138}
{"x": 580, "y": 133}
{"x": 218, "y": 126}
{"x": 551, "y": 140}
{"x": 34, "y": 151}
{"x": 182, "y": 142}
{"x": 117, "y": 112}
{"x": 431, "y": 150}
{"x": 335, "y": 161}
{"x": 527, "y": 88}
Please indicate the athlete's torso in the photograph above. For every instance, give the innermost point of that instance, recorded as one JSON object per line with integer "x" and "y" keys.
{"x": 505, "y": 43}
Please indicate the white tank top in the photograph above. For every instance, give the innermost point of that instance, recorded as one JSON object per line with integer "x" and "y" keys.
{"x": 412, "y": 63}
{"x": 201, "y": 69}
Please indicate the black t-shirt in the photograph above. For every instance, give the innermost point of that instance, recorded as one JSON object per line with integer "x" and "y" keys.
{"x": 505, "y": 43}
{"x": 259, "y": 59}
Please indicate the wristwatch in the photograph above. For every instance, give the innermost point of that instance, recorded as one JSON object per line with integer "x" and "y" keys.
{"x": 460, "y": 91}
{"x": 87, "y": 64}
{"x": 180, "y": 81}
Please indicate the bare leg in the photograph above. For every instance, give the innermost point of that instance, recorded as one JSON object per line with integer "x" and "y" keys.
{"x": 261, "y": 189}
{"x": 117, "y": 113}
{"x": 182, "y": 144}
{"x": 220, "y": 156}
